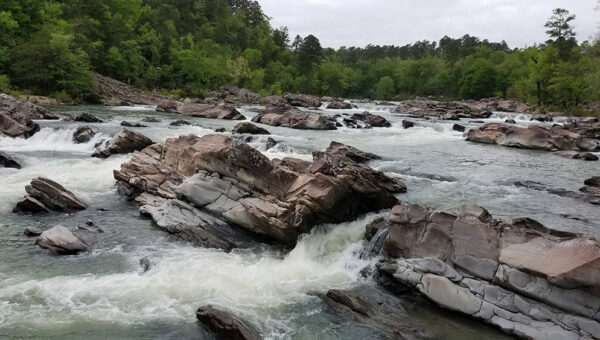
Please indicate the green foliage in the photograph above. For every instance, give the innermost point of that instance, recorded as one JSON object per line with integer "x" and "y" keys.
{"x": 479, "y": 80}
{"x": 385, "y": 88}
{"x": 4, "y": 83}
{"x": 186, "y": 47}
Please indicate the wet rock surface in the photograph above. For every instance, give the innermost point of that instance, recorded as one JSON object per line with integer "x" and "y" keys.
{"x": 249, "y": 128}
{"x": 443, "y": 110}
{"x": 226, "y": 325}
{"x": 522, "y": 277}
{"x": 84, "y": 134}
{"x": 16, "y": 117}
{"x": 532, "y": 137}
{"x": 132, "y": 124}
{"x": 303, "y": 100}
{"x": 8, "y": 161}
{"x": 293, "y": 118}
{"x": 61, "y": 241}
{"x": 376, "y": 309}
{"x": 219, "y": 111}
{"x": 125, "y": 141}
{"x": 235, "y": 183}
{"x": 45, "y": 195}
{"x": 84, "y": 117}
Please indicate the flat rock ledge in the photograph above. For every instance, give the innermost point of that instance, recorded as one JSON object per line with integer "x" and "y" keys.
{"x": 555, "y": 138}
{"x": 206, "y": 189}
{"x": 226, "y": 325}
{"x": 45, "y": 195}
{"x": 521, "y": 277}
{"x": 291, "y": 117}
{"x": 16, "y": 117}
{"x": 220, "y": 111}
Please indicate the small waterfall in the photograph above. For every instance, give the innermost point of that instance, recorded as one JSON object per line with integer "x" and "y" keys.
{"x": 375, "y": 245}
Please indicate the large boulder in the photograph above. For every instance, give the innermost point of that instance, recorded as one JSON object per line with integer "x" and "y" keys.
{"x": 526, "y": 279}
{"x": 200, "y": 110}
{"x": 592, "y": 189}
{"x": 532, "y": 137}
{"x": 293, "y": 118}
{"x": 340, "y": 105}
{"x": 351, "y": 152}
{"x": 61, "y": 241}
{"x": 84, "y": 134}
{"x": 125, "y": 141}
{"x": 46, "y": 195}
{"x": 12, "y": 106}
{"x": 8, "y": 161}
{"x": 235, "y": 183}
{"x": 226, "y": 325}
{"x": 16, "y": 117}
{"x": 303, "y": 100}
{"x": 249, "y": 128}
{"x": 371, "y": 119}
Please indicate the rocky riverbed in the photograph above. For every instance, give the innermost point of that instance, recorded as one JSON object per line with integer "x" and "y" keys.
{"x": 265, "y": 232}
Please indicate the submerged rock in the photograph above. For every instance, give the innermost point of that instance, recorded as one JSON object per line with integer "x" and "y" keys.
{"x": 541, "y": 118}
{"x": 271, "y": 143}
{"x": 132, "y": 124}
{"x": 586, "y": 156}
{"x": 61, "y": 241}
{"x": 235, "y": 183}
{"x": 86, "y": 117}
{"x": 458, "y": 127}
{"x": 407, "y": 124}
{"x": 522, "y": 277}
{"x": 46, "y": 195}
{"x": 125, "y": 141}
{"x": 8, "y": 161}
{"x": 200, "y": 110}
{"x": 84, "y": 134}
{"x": 249, "y": 128}
{"x": 375, "y": 309}
{"x": 179, "y": 122}
{"x": 32, "y": 232}
{"x": 226, "y": 325}
{"x": 532, "y": 137}
{"x": 150, "y": 120}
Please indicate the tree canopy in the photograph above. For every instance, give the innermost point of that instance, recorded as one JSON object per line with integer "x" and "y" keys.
{"x": 186, "y": 47}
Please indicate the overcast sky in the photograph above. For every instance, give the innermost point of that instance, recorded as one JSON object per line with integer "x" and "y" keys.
{"x": 360, "y": 22}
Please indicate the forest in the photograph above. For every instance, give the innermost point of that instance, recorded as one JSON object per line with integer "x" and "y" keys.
{"x": 188, "y": 47}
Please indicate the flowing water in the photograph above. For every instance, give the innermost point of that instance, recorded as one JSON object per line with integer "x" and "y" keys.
{"x": 104, "y": 294}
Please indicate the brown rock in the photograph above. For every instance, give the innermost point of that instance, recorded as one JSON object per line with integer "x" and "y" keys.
{"x": 226, "y": 325}
{"x": 200, "y": 110}
{"x": 125, "y": 141}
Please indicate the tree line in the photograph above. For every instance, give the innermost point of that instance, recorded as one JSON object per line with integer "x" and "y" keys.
{"x": 186, "y": 47}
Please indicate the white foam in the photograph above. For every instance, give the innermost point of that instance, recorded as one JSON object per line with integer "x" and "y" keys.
{"x": 49, "y": 139}
{"x": 134, "y": 108}
{"x": 185, "y": 277}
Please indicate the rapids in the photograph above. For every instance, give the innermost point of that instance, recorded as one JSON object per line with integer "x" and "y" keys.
{"x": 104, "y": 294}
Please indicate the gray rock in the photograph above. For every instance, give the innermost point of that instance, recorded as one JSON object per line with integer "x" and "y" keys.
{"x": 84, "y": 134}
{"x": 46, "y": 195}
{"x": 249, "y": 128}
{"x": 226, "y": 325}
{"x": 61, "y": 241}
{"x": 8, "y": 161}
{"x": 125, "y": 141}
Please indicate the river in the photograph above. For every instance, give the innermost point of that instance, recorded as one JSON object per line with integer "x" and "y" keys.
{"x": 104, "y": 294}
